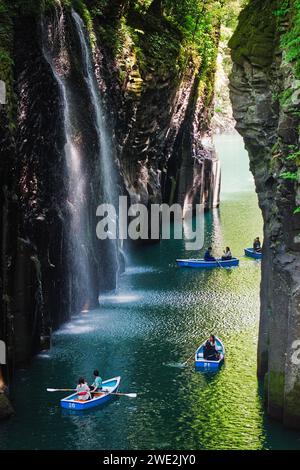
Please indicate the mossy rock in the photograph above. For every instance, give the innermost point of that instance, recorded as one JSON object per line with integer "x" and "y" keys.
{"x": 252, "y": 40}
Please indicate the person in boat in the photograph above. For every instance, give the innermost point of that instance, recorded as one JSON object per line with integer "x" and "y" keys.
{"x": 210, "y": 349}
{"x": 257, "y": 245}
{"x": 227, "y": 254}
{"x": 97, "y": 384}
{"x": 208, "y": 255}
{"x": 83, "y": 390}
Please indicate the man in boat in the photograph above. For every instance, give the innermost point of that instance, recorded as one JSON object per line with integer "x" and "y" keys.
{"x": 97, "y": 384}
{"x": 210, "y": 352}
{"x": 83, "y": 390}
{"x": 208, "y": 255}
{"x": 257, "y": 245}
{"x": 227, "y": 254}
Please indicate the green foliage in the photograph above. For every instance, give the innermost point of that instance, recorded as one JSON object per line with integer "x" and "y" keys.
{"x": 230, "y": 12}
{"x": 198, "y": 23}
{"x": 290, "y": 40}
{"x": 295, "y": 156}
{"x": 285, "y": 96}
{"x": 169, "y": 37}
{"x": 288, "y": 175}
{"x": 283, "y": 9}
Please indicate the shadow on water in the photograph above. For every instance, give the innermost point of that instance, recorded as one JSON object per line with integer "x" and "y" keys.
{"x": 86, "y": 414}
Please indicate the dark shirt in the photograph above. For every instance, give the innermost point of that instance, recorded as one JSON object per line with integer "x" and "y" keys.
{"x": 208, "y": 256}
{"x": 209, "y": 350}
{"x": 256, "y": 245}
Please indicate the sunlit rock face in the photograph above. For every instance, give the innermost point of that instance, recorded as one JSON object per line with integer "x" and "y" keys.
{"x": 266, "y": 107}
{"x": 161, "y": 114}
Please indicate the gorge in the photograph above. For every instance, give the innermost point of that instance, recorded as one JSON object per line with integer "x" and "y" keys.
{"x": 58, "y": 162}
{"x": 116, "y": 98}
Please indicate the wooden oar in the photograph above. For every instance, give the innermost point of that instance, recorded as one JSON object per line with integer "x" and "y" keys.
{"x": 220, "y": 265}
{"x": 188, "y": 360}
{"x": 129, "y": 395}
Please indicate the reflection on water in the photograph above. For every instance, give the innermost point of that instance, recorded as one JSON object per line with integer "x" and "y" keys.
{"x": 117, "y": 298}
{"x": 145, "y": 332}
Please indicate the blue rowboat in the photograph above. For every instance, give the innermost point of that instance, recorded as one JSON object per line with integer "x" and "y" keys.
{"x": 201, "y": 363}
{"x": 109, "y": 387}
{"x": 252, "y": 254}
{"x": 201, "y": 263}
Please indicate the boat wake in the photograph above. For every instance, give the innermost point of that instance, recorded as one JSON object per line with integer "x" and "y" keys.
{"x": 177, "y": 365}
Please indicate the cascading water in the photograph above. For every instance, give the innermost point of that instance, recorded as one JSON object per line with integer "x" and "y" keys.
{"x": 104, "y": 137}
{"x": 105, "y": 141}
{"x": 56, "y": 54}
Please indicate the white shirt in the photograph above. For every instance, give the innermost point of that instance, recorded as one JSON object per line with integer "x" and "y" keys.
{"x": 83, "y": 388}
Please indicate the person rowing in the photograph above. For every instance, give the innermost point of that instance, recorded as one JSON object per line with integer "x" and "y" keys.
{"x": 208, "y": 255}
{"x": 83, "y": 390}
{"x": 210, "y": 350}
{"x": 97, "y": 384}
{"x": 257, "y": 245}
{"x": 227, "y": 255}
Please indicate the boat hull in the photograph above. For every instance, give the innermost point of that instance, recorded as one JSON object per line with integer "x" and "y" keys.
{"x": 252, "y": 254}
{"x": 202, "y": 264}
{"x": 204, "y": 364}
{"x": 72, "y": 403}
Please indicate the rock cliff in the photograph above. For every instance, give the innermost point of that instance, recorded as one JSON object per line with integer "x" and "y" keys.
{"x": 156, "y": 84}
{"x": 266, "y": 103}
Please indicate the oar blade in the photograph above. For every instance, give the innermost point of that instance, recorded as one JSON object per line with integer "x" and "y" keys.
{"x": 131, "y": 395}
{"x": 60, "y": 390}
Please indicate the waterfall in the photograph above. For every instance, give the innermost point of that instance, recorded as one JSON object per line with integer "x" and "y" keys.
{"x": 105, "y": 141}
{"x": 56, "y": 53}
{"x": 104, "y": 138}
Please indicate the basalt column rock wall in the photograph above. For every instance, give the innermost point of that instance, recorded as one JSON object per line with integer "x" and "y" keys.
{"x": 266, "y": 104}
{"x": 161, "y": 100}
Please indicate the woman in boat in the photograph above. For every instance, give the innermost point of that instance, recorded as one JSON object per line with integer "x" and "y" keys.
{"x": 227, "y": 254}
{"x": 210, "y": 351}
{"x": 257, "y": 245}
{"x": 97, "y": 384}
{"x": 208, "y": 255}
{"x": 83, "y": 390}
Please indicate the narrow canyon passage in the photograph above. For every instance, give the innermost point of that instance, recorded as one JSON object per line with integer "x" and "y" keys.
{"x": 144, "y": 330}
{"x": 151, "y": 102}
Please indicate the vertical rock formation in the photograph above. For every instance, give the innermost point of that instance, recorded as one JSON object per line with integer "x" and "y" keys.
{"x": 160, "y": 96}
{"x": 266, "y": 102}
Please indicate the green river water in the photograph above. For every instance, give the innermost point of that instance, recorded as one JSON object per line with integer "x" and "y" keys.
{"x": 154, "y": 322}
